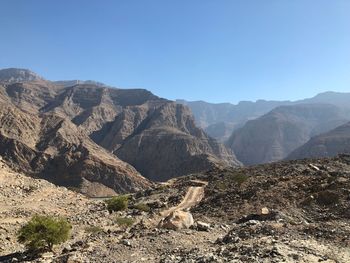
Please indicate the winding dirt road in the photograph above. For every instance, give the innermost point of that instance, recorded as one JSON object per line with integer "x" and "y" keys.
{"x": 193, "y": 196}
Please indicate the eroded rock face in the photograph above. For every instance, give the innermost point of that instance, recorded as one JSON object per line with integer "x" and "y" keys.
{"x": 276, "y": 134}
{"x": 156, "y": 136}
{"x": 18, "y": 75}
{"x": 170, "y": 145}
{"x": 53, "y": 148}
{"x": 328, "y": 144}
{"x": 177, "y": 220}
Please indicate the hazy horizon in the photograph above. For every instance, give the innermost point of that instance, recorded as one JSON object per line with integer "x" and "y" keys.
{"x": 222, "y": 51}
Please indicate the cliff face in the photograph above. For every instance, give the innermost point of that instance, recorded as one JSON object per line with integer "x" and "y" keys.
{"x": 328, "y": 144}
{"x": 276, "y": 134}
{"x": 53, "y": 148}
{"x": 167, "y": 144}
{"x": 156, "y": 136}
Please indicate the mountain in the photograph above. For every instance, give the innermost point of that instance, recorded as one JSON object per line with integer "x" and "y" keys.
{"x": 327, "y": 144}
{"x": 220, "y": 119}
{"x": 12, "y": 75}
{"x": 70, "y": 83}
{"x": 156, "y": 136}
{"x": 274, "y": 135}
{"x": 339, "y": 99}
{"x": 211, "y": 113}
{"x": 221, "y": 131}
{"x": 53, "y": 148}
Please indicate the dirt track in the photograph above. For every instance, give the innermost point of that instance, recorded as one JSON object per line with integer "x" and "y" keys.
{"x": 193, "y": 196}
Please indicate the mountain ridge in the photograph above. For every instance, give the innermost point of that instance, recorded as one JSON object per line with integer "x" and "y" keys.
{"x": 120, "y": 121}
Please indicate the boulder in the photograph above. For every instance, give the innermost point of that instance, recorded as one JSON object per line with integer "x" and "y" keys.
{"x": 177, "y": 220}
{"x": 201, "y": 226}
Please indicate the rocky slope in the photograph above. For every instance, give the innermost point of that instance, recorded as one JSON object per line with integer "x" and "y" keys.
{"x": 221, "y": 119}
{"x": 276, "y": 134}
{"x": 294, "y": 211}
{"x": 221, "y": 131}
{"x": 12, "y": 75}
{"x": 156, "y": 136}
{"x": 172, "y": 145}
{"x": 325, "y": 145}
{"x": 51, "y": 147}
{"x": 218, "y": 119}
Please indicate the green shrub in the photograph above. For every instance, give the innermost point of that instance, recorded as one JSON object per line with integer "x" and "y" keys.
{"x": 142, "y": 207}
{"x": 124, "y": 221}
{"x": 93, "y": 229}
{"x": 117, "y": 203}
{"x": 222, "y": 186}
{"x": 42, "y": 232}
{"x": 240, "y": 178}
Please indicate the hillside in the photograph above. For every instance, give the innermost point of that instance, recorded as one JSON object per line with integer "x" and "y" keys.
{"x": 276, "y": 134}
{"x": 283, "y": 212}
{"x": 51, "y": 147}
{"x": 156, "y": 136}
{"x": 221, "y": 119}
{"x": 327, "y": 144}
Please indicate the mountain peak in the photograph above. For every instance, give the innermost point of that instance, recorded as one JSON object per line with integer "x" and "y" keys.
{"x": 18, "y": 75}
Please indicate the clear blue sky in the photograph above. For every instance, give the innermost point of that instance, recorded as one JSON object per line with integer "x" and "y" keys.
{"x": 213, "y": 50}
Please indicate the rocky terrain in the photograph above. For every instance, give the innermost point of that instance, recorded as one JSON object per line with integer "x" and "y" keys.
{"x": 220, "y": 120}
{"x": 295, "y": 211}
{"x": 53, "y": 148}
{"x": 68, "y": 134}
{"x": 325, "y": 145}
{"x": 276, "y": 134}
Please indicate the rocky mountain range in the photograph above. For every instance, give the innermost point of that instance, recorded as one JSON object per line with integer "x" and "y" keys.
{"x": 57, "y": 139}
{"x": 220, "y": 120}
{"x": 91, "y": 136}
{"x": 325, "y": 145}
{"x": 276, "y": 134}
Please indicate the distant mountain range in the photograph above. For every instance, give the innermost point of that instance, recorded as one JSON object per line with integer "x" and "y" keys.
{"x": 276, "y": 134}
{"x": 266, "y": 131}
{"x": 326, "y": 144}
{"x": 87, "y": 135}
{"x": 103, "y": 140}
{"x": 220, "y": 120}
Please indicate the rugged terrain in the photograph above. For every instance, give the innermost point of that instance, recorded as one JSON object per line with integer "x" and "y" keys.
{"x": 276, "y": 134}
{"x": 68, "y": 134}
{"x": 219, "y": 120}
{"x": 53, "y": 148}
{"x": 325, "y": 145}
{"x": 295, "y": 211}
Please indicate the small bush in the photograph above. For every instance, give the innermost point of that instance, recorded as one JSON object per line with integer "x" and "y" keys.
{"x": 222, "y": 186}
{"x": 93, "y": 229}
{"x": 124, "y": 221}
{"x": 142, "y": 207}
{"x": 42, "y": 232}
{"x": 117, "y": 203}
{"x": 239, "y": 178}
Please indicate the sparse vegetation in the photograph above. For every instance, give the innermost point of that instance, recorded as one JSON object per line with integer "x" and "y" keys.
{"x": 117, "y": 203}
{"x": 231, "y": 178}
{"x": 239, "y": 178}
{"x": 222, "y": 186}
{"x": 142, "y": 207}
{"x": 124, "y": 221}
{"x": 43, "y": 232}
{"x": 93, "y": 229}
